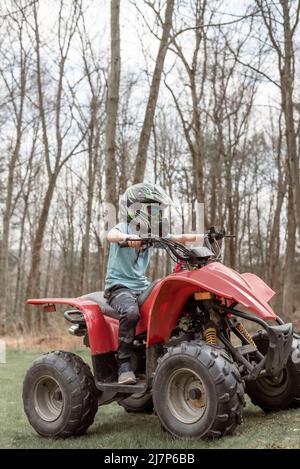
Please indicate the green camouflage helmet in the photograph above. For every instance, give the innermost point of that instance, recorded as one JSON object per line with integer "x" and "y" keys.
{"x": 142, "y": 201}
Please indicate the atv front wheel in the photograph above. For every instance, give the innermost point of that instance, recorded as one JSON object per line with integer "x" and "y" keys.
{"x": 138, "y": 404}
{"x": 198, "y": 391}
{"x": 59, "y": 395}
{"x": 282, "y": 391}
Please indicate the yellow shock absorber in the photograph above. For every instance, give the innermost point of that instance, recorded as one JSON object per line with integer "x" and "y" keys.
{"x": 210, "y": 335}
{"x": 242, "y": 329}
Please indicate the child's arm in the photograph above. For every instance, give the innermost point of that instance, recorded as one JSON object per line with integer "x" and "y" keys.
{"x": 116, "y": 236}
{"x": 188, "y": 238}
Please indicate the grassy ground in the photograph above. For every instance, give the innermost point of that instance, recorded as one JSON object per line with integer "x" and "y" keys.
{"x": 114, "y": 428}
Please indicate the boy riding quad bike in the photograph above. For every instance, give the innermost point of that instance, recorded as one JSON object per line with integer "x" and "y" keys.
{"x": 142, "y": 207}
{"x": 191, "y": 357}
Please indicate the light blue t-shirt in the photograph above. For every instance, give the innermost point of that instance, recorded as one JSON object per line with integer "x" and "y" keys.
{"x": 127, "y": 266}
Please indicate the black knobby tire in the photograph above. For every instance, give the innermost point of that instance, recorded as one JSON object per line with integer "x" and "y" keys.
{"x": 59, "y": 395}
{"x": 208, "y": 398}
{"x": 295, "y": 357}
{"x": 272, "y": 395}
{"x": 138, "y": 404}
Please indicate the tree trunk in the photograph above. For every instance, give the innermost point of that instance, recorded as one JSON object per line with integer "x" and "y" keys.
{"x": 141, "y": 159}
{"x": 112, "y": 116}
{"x": 273, "y": 257}
{"x": 289, "y": 270}
{"x": 112, "y": 104}
{"x": 287, "y": 90}
{"x": 92, "y": 155}
{"x": 34, "y": 273}
{"x": 4, "y": 250}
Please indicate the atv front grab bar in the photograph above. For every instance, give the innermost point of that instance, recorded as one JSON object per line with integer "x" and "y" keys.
{"x": 280, "y": 344}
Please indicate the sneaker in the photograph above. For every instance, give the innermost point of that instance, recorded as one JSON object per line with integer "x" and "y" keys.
{"x": 126, "y": 375}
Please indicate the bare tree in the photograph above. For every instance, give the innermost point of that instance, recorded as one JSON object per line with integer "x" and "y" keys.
{"x": 112, "y": 102}
{"x": 141, "y": 159}
{"x": 16, "y": 92}
{"x": 284, "y": 17}
{"x": 92, "y": 126}
{"x": 66, "y": 32}
{"x": 113, "y": 87}
{"x": 196, "y": 73}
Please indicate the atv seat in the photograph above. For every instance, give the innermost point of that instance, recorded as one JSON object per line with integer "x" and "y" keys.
{"x": 98, "y": 297}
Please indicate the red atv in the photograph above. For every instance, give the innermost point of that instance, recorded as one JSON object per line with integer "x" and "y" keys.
{"x": 192, "y": 355}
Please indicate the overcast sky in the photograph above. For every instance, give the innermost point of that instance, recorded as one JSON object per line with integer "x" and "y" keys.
{"x": 134, "y": 31}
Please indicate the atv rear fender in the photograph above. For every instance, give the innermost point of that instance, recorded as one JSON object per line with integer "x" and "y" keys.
{"x": 102, "y": 336}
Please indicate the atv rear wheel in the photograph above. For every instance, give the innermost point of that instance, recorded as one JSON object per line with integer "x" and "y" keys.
{"x": 59, "y": 395}
{"x": 279, "y": 393}
{"x": 138, "y": 404}
{"x": 295, "y": 356}
{"x": 198, "y": 391}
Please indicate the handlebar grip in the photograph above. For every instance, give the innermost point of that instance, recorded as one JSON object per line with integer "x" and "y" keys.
{"x": 124, "y": 244}
{"x": 219, "y": 234}
{"x": 216, "y": 235}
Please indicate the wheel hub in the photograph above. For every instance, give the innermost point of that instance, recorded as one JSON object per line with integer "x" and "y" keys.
{"x": 48, "y": 399}
{"x": 195, "y": 394}
{"x": 186, "y": 396}
{"x": 197, "y": 397}
{"x": 272, "y": 385}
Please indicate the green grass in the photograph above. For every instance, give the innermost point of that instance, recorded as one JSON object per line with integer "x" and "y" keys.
{"x": 114, "y": 428}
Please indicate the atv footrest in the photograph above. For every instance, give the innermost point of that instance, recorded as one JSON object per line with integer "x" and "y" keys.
{"x": 139, "y": 387}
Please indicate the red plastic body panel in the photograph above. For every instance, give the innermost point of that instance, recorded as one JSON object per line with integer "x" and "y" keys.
{"x": 164, "y": 305}
{"x": 103, "y": 331}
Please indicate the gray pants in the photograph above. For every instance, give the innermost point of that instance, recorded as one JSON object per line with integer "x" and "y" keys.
{"x": 124, "y": 301}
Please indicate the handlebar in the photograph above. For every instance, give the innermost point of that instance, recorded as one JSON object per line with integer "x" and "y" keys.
{"x": 179, "y": 250}
{"x": 211, "y": 235}
{"x": 216, "y": 235}
{"x": 144, "y": 240}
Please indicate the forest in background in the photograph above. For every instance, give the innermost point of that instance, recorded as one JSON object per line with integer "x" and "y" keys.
{"x": 209, "y": 109}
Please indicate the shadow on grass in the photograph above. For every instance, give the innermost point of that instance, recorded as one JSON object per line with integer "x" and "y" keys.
{"x": 122, "y": 422}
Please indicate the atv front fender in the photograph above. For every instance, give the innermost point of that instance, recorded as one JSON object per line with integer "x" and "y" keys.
{"x": 165, "y": 304}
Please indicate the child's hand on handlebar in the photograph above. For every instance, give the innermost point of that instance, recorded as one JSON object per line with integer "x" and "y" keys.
{"x": 132, "y": 243}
